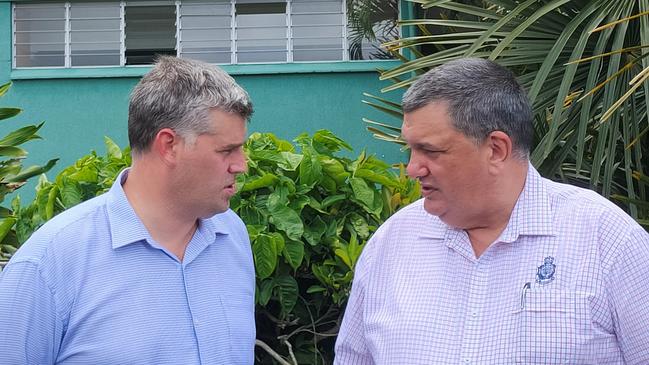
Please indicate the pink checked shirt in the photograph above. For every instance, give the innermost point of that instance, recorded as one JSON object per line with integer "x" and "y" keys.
{"x": 567, "y": 282}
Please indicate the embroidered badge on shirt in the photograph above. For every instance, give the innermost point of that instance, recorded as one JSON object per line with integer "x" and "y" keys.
{"x": 545, "y": 272}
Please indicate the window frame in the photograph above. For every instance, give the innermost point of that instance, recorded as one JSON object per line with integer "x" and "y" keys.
{"x": 101, "y": 71}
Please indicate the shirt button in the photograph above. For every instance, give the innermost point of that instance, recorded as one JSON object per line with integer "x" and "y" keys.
{"x": 467, "y": 361}
{"x": 474, "y": 314}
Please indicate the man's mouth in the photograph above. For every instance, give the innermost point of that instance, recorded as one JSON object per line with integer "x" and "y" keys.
{"x": 230, "y": 188}
{"x": 427, "y": 190}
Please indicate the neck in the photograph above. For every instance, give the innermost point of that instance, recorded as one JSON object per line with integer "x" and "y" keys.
{"x": 495, "y": 219}
{"x": 166, "y": 223}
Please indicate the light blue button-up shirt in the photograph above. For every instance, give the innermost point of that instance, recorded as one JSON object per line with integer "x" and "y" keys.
{"x": 92, "y": 287}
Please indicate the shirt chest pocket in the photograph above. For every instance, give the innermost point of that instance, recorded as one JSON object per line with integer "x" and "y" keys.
{"x": 241, "y": 325}
{"x": 553, "y": 327}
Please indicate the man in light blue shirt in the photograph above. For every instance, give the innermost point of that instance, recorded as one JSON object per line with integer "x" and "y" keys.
{"x": 158, "y": 270}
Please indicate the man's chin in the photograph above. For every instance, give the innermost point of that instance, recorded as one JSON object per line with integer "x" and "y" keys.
{"x": 216, "y": 210}
{"x": 433, "y": 208}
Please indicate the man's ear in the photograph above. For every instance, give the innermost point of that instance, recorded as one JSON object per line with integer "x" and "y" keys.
{"x": 165, "y": 145}
{"x": 500, "y": 149}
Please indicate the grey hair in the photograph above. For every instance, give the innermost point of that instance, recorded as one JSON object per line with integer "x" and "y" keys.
{"x": 482, "y": 97}
{"x": 179, "y": 94}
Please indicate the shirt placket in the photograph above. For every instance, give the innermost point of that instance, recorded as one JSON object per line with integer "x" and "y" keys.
{"x": 208, "y": 319}
{"x": 472, "y": 338}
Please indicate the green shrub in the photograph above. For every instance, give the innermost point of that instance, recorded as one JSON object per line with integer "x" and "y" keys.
{"x": 12, "y": 174}
{"x": 309, "y": 213}
{"x": 90, "y": 176}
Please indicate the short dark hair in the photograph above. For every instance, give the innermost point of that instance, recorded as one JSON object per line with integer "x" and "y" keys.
{"x": 179, "y": 94}
{"x": 482, "y": 97}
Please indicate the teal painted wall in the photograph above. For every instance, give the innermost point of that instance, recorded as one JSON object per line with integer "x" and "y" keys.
{"x": 79, "y": 112}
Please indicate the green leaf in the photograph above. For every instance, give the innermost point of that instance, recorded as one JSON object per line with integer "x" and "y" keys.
{"x": 322, "y": 273}
{"x": 285, "y": 160}
{"x": 328, "y": 184}
{"x": 354, "y": 250}
{"x": 6, "y": 212}
{"x": 278, "y": 240}
{"x": 310, "y": 169}
{"x": 316, "y": 289}
{"x": 4, "y": 88}
{"x": 314, "y": 231}
{"x": 51, "y": 200}
{"x": 12, "y": 151}
{"x": 282, "y": 215}
{"x": 326, "y": 142}
{"x": 299, "y": 202}
{"x": 384, "y": 179}
{"x": 21, "y": 135}
{"x": 287, "y": 220}
{"x": 278, "y": 198}
{"x": 70, "y": 192}
{"x": 315, "y": 205}
{"x": 265, "y": 291}
{"x": 294, "y": 253}
{"x": 254, "y": 230}
{"x": 11, "y": 167}
{"x": 259, "y": 182}
{"x": 5, "y": 226}
{"x": 362, "y": 192}
{"x": 264, "y": 252}
{"x": 290, "y": 161}
{"x": 287, "y": 291}
{"x": 332, "y": 199}
{"x": 334, "y": 169}
{"x": 344, "y": 256}
{"x": 112, "y": 149}
{"x": 6, "y": 113}
{"x": 31, "y": 171}
{"x": 359, "y": 224}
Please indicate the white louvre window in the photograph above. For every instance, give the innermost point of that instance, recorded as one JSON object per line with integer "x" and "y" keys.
{"x": 91, "y": 34}
{"x": 318, "y": 29}
{"x": 261, "y": 31}
{"x": 95, "y": 34}
{"x": 39, "y": 35}
{"x": 206, "y": 31}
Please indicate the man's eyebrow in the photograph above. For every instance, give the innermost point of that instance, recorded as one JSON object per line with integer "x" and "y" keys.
{"x": 231, "y": 146}
{"x": 424, "y": 145}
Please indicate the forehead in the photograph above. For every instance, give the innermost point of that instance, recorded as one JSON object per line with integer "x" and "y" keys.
{"x": 227, "y": 124}
{"x": 432, "y": 119}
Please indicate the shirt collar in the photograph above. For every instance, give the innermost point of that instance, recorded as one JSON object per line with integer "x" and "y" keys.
{"x": 126, "y": 227}
{"x": 215, "y": 225}
{"x": 435, "y": 229}
{"x": 532, "y": 214}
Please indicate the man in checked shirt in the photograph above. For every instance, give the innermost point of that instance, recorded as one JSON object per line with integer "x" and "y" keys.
{"x": 495, "y": 265}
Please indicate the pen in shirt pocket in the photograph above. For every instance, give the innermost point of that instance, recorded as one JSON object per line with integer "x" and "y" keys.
{"x": 526, "y": 287}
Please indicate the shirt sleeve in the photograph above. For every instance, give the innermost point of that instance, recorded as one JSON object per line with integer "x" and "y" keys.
{"x": 350, "y": 347}
{"x": 629, "y": 292}
{"x": 30, "y": 332}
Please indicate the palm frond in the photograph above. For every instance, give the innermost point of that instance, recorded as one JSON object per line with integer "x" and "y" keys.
{"x": 584, "y": 64}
